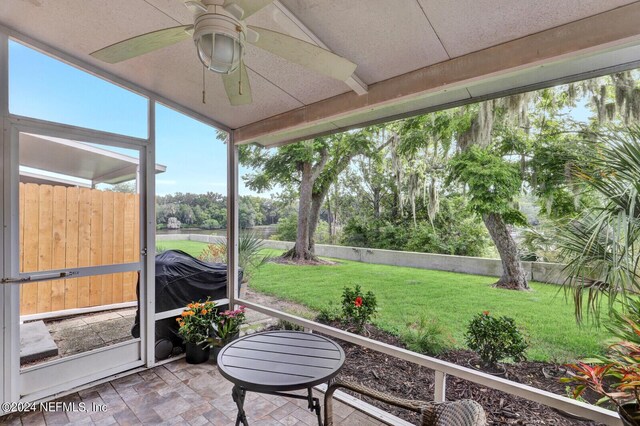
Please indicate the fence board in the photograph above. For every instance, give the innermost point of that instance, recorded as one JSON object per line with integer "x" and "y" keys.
{"x": 95, "y": 287}
{"x": 45, "y": 245}
{"x": 21, "y": 234}
{"x": 71, "y": 255}
{"x": 75, "y": 227}
{"x": 118, "y": 245}
{"x": 58, "y": 260}
{"x": 30, "y": 241}
{"x": 107, "y": 245}
{"x": 130, "y": 235}
{"x": 84, "y": 244}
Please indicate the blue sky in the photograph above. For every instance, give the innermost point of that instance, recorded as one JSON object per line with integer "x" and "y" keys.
{"x": 42, "y": 87}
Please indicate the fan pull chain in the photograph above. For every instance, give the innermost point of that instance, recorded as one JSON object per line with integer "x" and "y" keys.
{"x": 240, "y": 79}
{"x": 204, "y": 88}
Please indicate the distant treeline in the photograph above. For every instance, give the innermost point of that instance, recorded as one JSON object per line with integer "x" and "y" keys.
{"x": 209, "y": 211}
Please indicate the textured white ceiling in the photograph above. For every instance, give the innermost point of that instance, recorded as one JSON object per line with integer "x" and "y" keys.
{"x": 466, "y": 26}
{"x": 384, "y": 38}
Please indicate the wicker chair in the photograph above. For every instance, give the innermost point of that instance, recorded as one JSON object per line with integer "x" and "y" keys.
{"x": 455, "y": 413}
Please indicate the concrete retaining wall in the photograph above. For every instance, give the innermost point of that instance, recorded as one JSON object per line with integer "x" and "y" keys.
{"x": 536, "y": 271}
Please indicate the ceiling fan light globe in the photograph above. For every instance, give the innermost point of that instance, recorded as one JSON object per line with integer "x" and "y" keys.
{"x": 219, "y": 40}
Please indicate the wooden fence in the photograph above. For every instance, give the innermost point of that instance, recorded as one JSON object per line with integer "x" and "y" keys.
{"x": 64, "y": 227}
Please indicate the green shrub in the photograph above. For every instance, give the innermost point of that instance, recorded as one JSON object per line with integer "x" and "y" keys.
{"x": 329, "y": 314}
{"x": 249, "y": 257}
{"x": 286, "y": 325}
{"x": 287, "y": 230}
{"x": 495, "y": 338}
{"x": 427, "y": 337}
{"x": 358, "y": 308}
{"x": 455, "y": 230}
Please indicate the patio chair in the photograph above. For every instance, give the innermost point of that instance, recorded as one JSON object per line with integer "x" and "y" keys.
{"x": 464, "y": 412}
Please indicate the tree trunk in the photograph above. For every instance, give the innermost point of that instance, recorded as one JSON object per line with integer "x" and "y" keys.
{"x": 317, "y": 199}
{"x": 513, "y": 275}
{"x": 301, "y": 249}
{"x": 376, "y": 202}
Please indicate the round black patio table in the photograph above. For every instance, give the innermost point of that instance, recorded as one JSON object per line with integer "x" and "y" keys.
{"x": 275, "y": 362}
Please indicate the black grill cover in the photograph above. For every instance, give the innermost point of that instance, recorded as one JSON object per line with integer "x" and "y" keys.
{"x": 180, "y": 280}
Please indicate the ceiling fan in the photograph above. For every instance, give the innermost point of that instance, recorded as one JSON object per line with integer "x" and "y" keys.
{"x": 220, "y": 33}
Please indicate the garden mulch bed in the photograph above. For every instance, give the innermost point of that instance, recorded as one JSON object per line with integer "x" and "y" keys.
{"x": 408, "y": 380}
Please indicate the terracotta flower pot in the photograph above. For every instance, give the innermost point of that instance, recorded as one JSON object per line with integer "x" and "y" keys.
{"x": 196, "y": 353}
{"x": 630, "y": 410}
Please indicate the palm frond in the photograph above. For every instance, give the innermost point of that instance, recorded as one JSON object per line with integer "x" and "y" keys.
{"x": 600, "y": 248}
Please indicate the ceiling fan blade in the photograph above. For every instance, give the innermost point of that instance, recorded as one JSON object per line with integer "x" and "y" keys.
{"x": 248, "y": 6}
{"x": 145, "y": 43}
{"x": 306, "y": 54}
{"x": 237, "y": 86}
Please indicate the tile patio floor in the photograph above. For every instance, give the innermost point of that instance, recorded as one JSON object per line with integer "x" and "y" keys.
{"x": 182, "y": 394}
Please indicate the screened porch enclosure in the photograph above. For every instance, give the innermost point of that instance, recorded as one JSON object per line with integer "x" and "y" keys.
{"x": 425, "y": 57}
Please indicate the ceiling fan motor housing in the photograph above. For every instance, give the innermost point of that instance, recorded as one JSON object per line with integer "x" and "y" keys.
{"x": 219, "y": 39}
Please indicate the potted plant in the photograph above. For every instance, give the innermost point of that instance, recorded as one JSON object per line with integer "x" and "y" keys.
{"x": 615, "y": 376}
{"x": 225, "y": 328}
{"x": 494, "y": 339}
{"x": 358, "y": 307}
{"x": 195, "y": 322}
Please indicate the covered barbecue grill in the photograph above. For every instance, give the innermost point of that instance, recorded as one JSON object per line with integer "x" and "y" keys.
{"x": 180, "y": 280}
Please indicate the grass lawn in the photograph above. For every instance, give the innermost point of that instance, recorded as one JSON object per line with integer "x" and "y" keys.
{"x": 194, "y": 248}
{"x": 406, "y": 294}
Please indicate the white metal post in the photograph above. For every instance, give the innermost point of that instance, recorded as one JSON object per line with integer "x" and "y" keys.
{"x": 148, "y": 235}
{"x": 5, "y": 298}
{"x": 440, "y": 386}
{"x": 233, "y": 290}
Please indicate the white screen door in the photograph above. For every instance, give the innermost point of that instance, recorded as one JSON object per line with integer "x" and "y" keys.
{"x": 74, "y": 262}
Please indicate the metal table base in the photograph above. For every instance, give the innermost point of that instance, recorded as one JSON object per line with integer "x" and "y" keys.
{"x": 238, "y": 393}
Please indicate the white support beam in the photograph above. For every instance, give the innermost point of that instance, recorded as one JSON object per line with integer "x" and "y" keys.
{"x": 296, "y": 28}
{"x": 440, "y": 387}
{"x": 233, "y": 291}
{"x": 147, "y": 296}
{"x": 5, "y": 291}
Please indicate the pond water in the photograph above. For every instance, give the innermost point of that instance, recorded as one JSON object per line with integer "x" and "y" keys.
{"x": 262, "y": 231}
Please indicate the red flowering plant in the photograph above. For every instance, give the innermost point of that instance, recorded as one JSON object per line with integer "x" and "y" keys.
{"x": 357, "y": 307}
{"x": 195, "y": 320}
{"x": 226, "y": 326}
{"x": 616, "y": 375}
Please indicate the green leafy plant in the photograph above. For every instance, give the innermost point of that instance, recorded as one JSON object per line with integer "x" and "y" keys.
{"x": 195, "y": 321}
{"x": 249, "y": 257}
{"x": 286, "y": 325}
{"x": 357, "y": 307}
{"x": 329, "y": 314}
{"x": 426, "y": 337}
{"x": 601, "y": 247}
{"x": 226, "y": 326}
{"x": 495, "y": 338}
{"x": 214, "y": 253}
{"x": 615, "y": 376}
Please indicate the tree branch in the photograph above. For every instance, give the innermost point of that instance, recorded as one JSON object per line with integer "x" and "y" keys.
{"x": 317, "y": 169}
